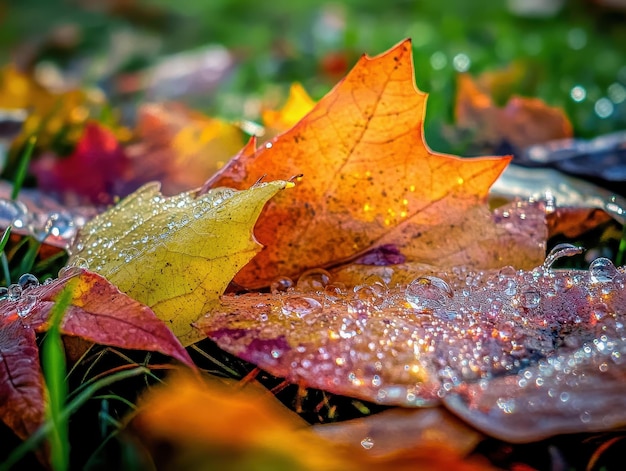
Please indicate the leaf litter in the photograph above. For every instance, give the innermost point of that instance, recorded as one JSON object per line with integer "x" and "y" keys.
{"x": 98, "y": 312}
{"x": 175, "y": 254}
{"x": 447, "y": 336}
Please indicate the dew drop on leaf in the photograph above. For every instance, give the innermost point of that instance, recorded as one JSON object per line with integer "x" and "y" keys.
{"x": 61, "y": 225}
{"x": 281, "y": 284}
{"x": 367, "y": 443}
{"x": 602, "y": 270}
{"x": 560, "y": 251}
{"x": 26, "y": 305}
{"x": 27, "y": 280}
{"x": 427, "y": 292}
{"x": 4, "y": 292}
{"x": 530, "y": 298}
{"x": 14, "y": 292}
{"x": 314, "y": 280}
{"x": 300, "y": 306}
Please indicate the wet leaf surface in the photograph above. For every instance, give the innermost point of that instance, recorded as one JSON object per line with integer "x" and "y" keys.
{"x": 448, "y": 335}
{"x": 370, "y": 180}
{"x": 177, "y": 254}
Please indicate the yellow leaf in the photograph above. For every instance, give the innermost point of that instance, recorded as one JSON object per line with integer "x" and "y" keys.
{"x": 298, "y": 105}
{"x": 177, "y": 254}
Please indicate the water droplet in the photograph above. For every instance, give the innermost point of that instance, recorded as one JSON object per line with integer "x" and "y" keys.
{"x": 11, "y": 212}
{"x": 314, "y": 279}
{"x": 4, "y": 292}
{"x": 602, "y": 270}
{"x": 61, "y": 225}
{"x": 300, "y": 306}
{"x": 276, "y": 353}
{"x": 560, "y": 251}
{"x": 28, "y": 280}
{"x": 26, "y": 305}
{"x": 510, "y": 288}
{"x": 14, "y": 292}
{"x": 334, "y": 291}
{"x": 530, "y": 298}
{"x": 281, "y": 284}
{"x": 507, "y": 272}
{"x": 367, "y": 443}
{"x": 373, "y": 295}
{"x": 427, "y": 292}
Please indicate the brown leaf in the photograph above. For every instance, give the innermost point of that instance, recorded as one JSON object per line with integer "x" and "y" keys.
{"x": 369, "y": 180}
{"x": 520, "y": 123}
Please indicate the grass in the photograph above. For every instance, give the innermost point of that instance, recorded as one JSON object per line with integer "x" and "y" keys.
{"x": 54, "y": 370}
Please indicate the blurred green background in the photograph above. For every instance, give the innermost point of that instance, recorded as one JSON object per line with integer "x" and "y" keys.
{"x": 230, "y": 57}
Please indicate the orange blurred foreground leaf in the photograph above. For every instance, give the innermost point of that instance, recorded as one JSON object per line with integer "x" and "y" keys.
{"x": 224, "y": 425}
{"x": 370, "y": 180}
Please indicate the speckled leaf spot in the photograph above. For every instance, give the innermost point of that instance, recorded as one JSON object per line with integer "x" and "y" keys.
{"x": 175, "y": 254}
{"x": 459, "y": 336}
{"x": 370, "y": 179}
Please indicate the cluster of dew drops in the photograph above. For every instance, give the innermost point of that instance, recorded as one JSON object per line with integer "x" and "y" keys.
{"x": 21, "y": 293}
{"x": 507, "y": 299}
{"x": 39, "y": 223}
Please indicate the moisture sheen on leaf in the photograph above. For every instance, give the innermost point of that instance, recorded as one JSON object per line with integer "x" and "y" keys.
{"x": 431, "y": 334}
{"x": 370, "y": 180}
{"x": 177, "y": 254}
{"x": 98, "y": 312}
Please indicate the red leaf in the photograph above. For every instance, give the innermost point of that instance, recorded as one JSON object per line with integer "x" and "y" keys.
{"x": 98, "y": 312}
{"x": 93, "y": 173}
{"x": 21, "y": 382}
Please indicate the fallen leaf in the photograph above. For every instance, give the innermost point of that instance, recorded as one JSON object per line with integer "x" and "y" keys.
{"x": 398, "y": 429}
{"x": 573, "y": 205}
{"x": 221, "y": 424}
{"x": 175, "y": 254}
{"x": 431, "y": 334}
{"x": 39, "y": 215}
{"x": 520, "y": 123}
{"x": 98, "y": 312}
{"x": 180, "y": 147}
{"x": 370, "y": 180}
{"x": 94, "y": 173}
{"x": 297, "y": 106}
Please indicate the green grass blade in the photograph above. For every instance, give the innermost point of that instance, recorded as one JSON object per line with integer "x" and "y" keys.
{"x": 22, "y": 168}
{"x": 53, "y": 358}
{"x": 33, "y": 441}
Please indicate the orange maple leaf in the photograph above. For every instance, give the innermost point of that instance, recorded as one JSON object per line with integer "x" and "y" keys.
{"x": 370, "y": 179}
